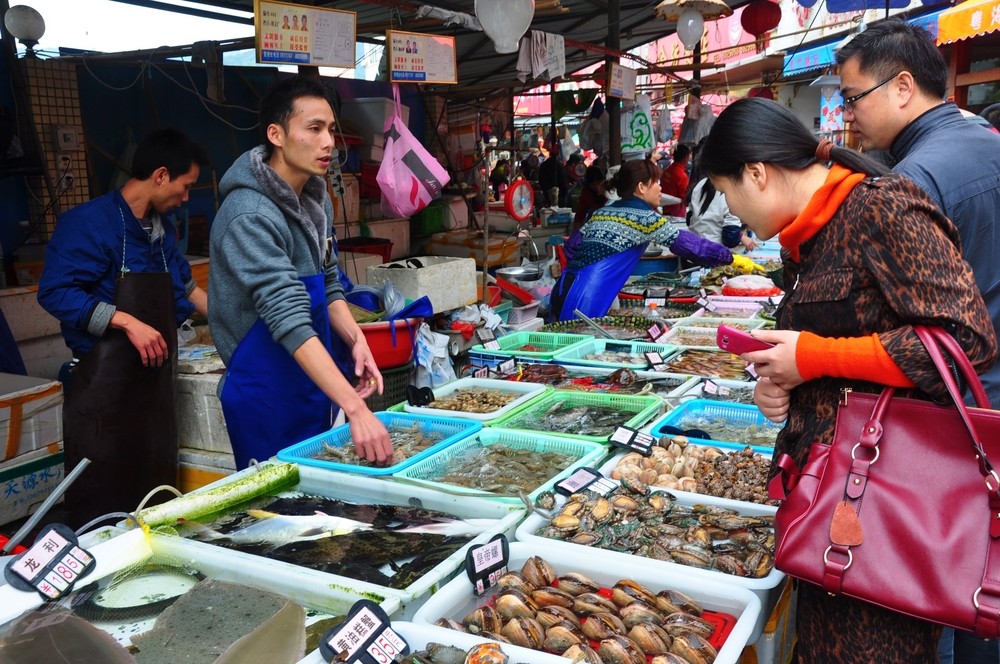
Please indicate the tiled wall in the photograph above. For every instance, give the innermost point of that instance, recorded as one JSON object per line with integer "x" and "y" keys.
{"x": 55, "y": 106}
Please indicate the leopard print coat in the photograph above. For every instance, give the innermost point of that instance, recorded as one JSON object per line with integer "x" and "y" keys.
{"x": 886, "y": 260}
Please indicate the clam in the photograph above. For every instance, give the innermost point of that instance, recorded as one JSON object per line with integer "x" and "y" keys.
{"x": 651, "y": 639}
{"x": 582, "y": 654}
{"x": 486, "y": 653}
{"x": 600, "y": 626}
{"x": 538, "y": 572}
{"x": 668, "y": 658}
{"x": 550, "y": 615}
{"x": 731, "y": 565}
{"x": 513, "y": 603}
{"x": 442, "y": 654}
{"x": 601, "y": 510}
{"x": 672, "y": 601}
{"x": 565, "y": 523}
{"x": 639, "y": 612}
{"x": 448, "y": 623}
{"x": 620, "y": 650}
{"x": 683, "y": 623}
{"x": 514, "y": 580}
{"x": 546, "y": 500}
{"x": 561, "y": 638}
{"x": 495, "y": 636}
{"x": 483, "y": 619}
{"x": 623, "y": 503}
{"x": 625, "y": 592}
{"x": 589, "y": 603}
{"x": 575, "y": 584}
{"x": 587, "y": 538}
{"x": 524, "y": 632}
{"x": 693, "y": 649}
{"x": 549, "y": 596}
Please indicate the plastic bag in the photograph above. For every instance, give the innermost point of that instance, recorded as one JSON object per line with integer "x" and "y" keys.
{"x": 637, "y": 126}
{"x": 409, "y": 177}
{"x": 541, "y": 288}
{"x": 432, "y": 360}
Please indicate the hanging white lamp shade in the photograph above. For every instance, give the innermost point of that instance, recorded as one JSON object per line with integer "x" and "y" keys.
{"x": 505, "y": 21}
{"x": 690, "y": 28}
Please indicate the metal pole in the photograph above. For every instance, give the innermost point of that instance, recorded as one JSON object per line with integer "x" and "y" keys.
{"x": 613, "y": 105}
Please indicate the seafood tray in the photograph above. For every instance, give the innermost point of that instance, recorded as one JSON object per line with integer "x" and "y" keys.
{"x": 620, "y": 327}
{"x": 363, "y": 490}
{"x": 767, "y": 589}
{"x": 635, "y": 411}
{"x": 585, "y": 453}
{"x": 721, "y": 389}
{"x": 711, "y": 323}
{"x": 452, "y": 428}
{"x": 456, "y": 600}
{"x": 631, "y": 353}
{"x": 702, "y": 336}
{"x": 733, "y": 414}
{"x": 708, "y": 363}
{"x": 730, "y": 310}
{"x": 664, "y": 385}
{"x": 533, "y": 345}
{"x": 525, "y": 392}
{"x": 776, "y": 299}
{"x": 419, "y": 635}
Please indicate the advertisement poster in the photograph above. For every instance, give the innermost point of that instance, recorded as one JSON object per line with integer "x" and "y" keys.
{"x": 420, "y": 58}
{"x": 622, "y": 82}
{"x": 293, "y": 34}
{"x": 831, "y": 115}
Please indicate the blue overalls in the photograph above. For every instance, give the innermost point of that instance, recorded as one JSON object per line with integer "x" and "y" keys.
{"x": 268, "y": 400}
{"x": 592, "y": 289}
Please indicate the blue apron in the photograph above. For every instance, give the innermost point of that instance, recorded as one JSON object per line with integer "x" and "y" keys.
{"x": 592, "y": 289}
{"x": 269, "y": 401}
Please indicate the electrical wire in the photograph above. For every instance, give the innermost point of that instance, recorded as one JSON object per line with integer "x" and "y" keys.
{"x": 32, "y": 227}
{"x": 201, "y": 99}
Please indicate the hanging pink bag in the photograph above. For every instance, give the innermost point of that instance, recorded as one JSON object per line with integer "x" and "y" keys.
{"x": 409, "y": 177}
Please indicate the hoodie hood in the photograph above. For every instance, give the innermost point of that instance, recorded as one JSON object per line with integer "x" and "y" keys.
{"x": 250, "y": 171}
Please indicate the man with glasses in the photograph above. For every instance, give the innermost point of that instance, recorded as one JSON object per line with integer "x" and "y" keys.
{"x": 894, "y": 82}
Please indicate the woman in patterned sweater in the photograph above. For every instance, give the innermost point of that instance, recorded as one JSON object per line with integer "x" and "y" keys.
{"x": 614, "y": 239}
{"x": 867, "y": 254}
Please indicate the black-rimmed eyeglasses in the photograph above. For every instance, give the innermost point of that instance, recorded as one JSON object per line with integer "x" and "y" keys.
{"x": 849, "y": 102}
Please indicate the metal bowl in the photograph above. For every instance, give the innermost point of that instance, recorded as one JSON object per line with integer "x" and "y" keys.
{"x": 523, "y": 273}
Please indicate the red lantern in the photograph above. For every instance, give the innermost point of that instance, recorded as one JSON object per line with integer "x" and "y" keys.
{"x": 759, "y": 17}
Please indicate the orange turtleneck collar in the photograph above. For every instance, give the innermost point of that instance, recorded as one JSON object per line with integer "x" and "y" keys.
{"x": 820, "y": 209}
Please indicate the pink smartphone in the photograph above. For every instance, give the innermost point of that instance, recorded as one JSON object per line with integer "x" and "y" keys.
{"x": 738, "y": 342}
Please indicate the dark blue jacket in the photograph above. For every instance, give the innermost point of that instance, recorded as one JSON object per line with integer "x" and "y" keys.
{"x": 84, "y": 258}
{"x": 958, "y": 164}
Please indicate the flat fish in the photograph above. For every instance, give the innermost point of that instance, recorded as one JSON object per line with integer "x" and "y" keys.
{"x": 60, "y": 636}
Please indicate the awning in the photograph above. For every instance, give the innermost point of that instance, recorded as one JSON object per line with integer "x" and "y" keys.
{"x": 969, "y": 19}
{"x": 816, "y": 57}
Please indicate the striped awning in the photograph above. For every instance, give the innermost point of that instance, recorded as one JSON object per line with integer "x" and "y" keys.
{"x": 969, "y": 19}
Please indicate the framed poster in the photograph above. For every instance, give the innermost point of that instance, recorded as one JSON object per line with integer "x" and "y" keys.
{"x": 290, "y": 34}
{"x": 421, "y": 58}
{"x": 621, "y": 84}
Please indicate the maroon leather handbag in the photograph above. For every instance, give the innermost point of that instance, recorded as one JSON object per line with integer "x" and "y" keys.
{"x": 903, "y": 508}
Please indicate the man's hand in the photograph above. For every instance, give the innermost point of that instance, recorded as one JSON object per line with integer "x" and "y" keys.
{"x": 371, "y": 440}
{"x": 149, "y": 342}
{"x": 369, "y": 377}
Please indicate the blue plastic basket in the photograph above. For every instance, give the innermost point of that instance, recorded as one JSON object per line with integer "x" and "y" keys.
{"x": 577, "y": 354}
{"x": 454, "y": 430}
{"x": 734, "y": 413}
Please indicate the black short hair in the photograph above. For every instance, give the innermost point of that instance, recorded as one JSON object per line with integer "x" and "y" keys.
{"x": 892, "y": 46}
{"x": 632, "y": 173}
{"x": 681, "y": 151}
{"x": 169, "y": 148}
{"x": 277, "y": 105}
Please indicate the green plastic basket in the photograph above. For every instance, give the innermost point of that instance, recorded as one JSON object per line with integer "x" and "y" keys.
{"x": 636, "y": 411}
{"x": 548, "y": 343}
{"x": 577, "y": 354}
{"x": 587, "y": 453}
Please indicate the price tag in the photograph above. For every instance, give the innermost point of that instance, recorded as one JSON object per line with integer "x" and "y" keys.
{"x": 656, "y": 332}
{"x": 486, "y": 563}
{"x": 365, "y": 636}
{"x": 585, "y": 479}
{"x": 52, "y": 565}
{"x": 487, "y": 338}
{"x": 658, "y": 301}
{"x": 481, "y": 372}
{"x": 711, "y": 387}
{"x": 752, "y": 372}
{"x": 419, "y": 396}
{"x": 632, "y": 439}
{"x": 655, "y": 360}
{"x": 507, "y": 367}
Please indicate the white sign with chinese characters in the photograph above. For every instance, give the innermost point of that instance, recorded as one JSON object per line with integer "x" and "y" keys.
{"x": 420, "y": 58}
{"x": 288, "y": 33}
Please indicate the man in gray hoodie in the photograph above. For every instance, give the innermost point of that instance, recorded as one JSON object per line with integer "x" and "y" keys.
{"x": 293, "y": 352}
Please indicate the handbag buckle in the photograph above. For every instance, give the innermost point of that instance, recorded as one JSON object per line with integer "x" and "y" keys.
{"x": 996, "y": 480}
{"x": 872, "y": 462}
{"x": 850, "y": 559}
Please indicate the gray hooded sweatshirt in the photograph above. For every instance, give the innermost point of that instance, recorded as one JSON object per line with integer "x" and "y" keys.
{"x": 263, "y": 239}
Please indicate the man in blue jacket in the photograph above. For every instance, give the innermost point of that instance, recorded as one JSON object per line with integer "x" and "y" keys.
{"x": 894, "y": 82}
{"x": 120, "y": 288}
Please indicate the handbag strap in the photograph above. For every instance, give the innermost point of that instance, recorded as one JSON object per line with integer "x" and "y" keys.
{"x": 958, "y": 356}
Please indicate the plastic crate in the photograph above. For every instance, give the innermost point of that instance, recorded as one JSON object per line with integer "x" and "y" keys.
{"x": 701, "y": 332}
{"x": 429, "y": 220}
{"x": 735, "y": 413}
{"x": 526, "y": 392}
{"x": 721, "y": 387}
{"x": 549, "y": 344}
{"x": 577, "y": 354}
{"x": 503, "y": 310}
{"x": 730, "y": 310}
{"x": 368, "y": 245}
{"x": 731, "y": 366}
{"x": 454, "y": 430}
{"x": 636, "y": 411}
{"x": 524, "y": 313}
{"x": 394, "y": 384}
{"x": 587, "y": 453}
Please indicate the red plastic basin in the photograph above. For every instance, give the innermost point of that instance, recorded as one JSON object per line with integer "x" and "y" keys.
{"x": 379, "y": 337}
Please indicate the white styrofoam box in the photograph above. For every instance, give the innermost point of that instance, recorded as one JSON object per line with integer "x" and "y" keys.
{"x": 456, "y": 600}
{"x": 450, "y": 283}
{"x": 222, "y": 463}
{"x": 767, "y": 589}
{"x": 458, "y": 212}
{"x": 418, "y": 636}
{"x": 30, "y": 414}
{"x": 355, "y": 488}
{"x": 499, "y": 220}
{"x": 201, "y": 424}
{"x": 367, "y": 116}
{"x": 28, "y": 480}
{"x": 737, "y": 310}
{"x": 525, "y": 391}
{"x": 356, "y": 265}
{"x": 351, "y": 200}
{"x": 397, "y": 230}
{"x": 777, "y": 644}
